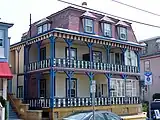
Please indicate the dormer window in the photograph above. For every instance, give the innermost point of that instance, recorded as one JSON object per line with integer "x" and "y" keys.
{"x": 107, "y": 32}
{"x": 122, "y": 30}
{"x": 106, "y": 24}
{"x": 89, "y": 26}
{"x": 88, "y": 22}
{"x": 122, "y": 33}
{"x": 43, "y": 28}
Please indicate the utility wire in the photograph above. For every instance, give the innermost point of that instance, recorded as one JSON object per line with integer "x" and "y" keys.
{"x": 136, "y": 8}
{"x": 134, "y": 21}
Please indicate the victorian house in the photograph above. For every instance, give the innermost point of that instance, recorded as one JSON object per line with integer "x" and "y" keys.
{"x": 57, "y": 59}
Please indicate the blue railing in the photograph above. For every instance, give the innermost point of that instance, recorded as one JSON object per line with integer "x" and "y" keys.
{"x": 80, "y": 64}
{"x": 39, "y": 103}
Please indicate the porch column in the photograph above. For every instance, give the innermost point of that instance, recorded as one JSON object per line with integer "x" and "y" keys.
{"x": 38, "y": 75}
{"x": 4, "y": 88}
{"x": 108, "y": 76}
{"x": 90, "y": 53}
{"x": 26, "y": 75}
{"x": 138, "y": 60}
{"x": 69, "y": 75}
{"x": 107, "y": 48}
{"x": 18, "y": 51}
{"x": 52, "y": 75}
{"x": 124, "y": 76}
{"x": 91, "y": 76}
{"x": 123, "y": 55}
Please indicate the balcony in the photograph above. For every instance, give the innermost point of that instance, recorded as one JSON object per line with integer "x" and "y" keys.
{"x": 80, "y": 64}
{"x": 39, "y": 103}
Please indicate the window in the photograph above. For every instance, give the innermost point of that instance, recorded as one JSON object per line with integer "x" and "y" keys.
{"x": 1, "y": 38}
{"x": 89, "y": 26}
{"x": 73, "y": 86}
{"x": 116, "y": 58}
{"x": 97, "y": 56}
{"x": 146, "y": 65}
{"x": 20, "y": 91}
{"x": 97, "y": 117}
{"x": 39, "y": 29}
{"x": 130, "y": 58}
{"x": 44, "y": 28}
{"x": 158, "y": 46}
{"x": 117, "y": 87}
{"x": 107, "y": 30}
{"x": 43, "y": 53}
{"x": 122, "y": 33}
{"x": 111, "y": 116}
{"x": 73, "y": 53}
{"x": 43, "y": 88}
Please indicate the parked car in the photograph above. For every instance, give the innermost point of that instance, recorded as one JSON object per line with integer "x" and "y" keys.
{"x": 88, "y": 115}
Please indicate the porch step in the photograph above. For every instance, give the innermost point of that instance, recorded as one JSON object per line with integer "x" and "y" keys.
{"x": 12, "y": 113}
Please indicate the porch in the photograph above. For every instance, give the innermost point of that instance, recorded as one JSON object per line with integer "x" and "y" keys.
{"x": 75, "y": 92}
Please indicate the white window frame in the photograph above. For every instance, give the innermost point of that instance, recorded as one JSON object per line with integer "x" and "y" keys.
{"x": 40, "y": 29}
{"x": 122, "y": 30}
{"x": 45, "y": 27}
{"x": 107, "y": 29}
{"x": 2, "y": 37}
{"x": 89, "y": 23}
{"x": 131, "y": 88}
{"x": 118, "y": 91}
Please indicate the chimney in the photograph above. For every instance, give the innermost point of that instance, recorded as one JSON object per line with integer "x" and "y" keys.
{"x": 84, "y": 4}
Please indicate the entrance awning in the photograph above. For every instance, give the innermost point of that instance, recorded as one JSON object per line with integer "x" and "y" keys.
{"x": 5, "y": 71}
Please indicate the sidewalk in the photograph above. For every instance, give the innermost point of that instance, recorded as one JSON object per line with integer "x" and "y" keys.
{"x": 141, "y": 116}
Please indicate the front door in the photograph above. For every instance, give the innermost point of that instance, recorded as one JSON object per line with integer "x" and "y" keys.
{"x": 43, "y": 88}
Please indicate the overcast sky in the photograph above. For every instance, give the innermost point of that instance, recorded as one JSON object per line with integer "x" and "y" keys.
{"x": 17, "y": 12}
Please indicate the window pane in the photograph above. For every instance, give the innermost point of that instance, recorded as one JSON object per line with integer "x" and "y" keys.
{"x": 107, "y": 30}
{"x": 1, "y": 37}
{"x": 39, "y": 29}
{"x": 45, "y": 27}
{"x": 123, "y": 33}
{"x": 97, "y": 56}
{"x": 89, "y": 25}
{"x": 73, "y": 53}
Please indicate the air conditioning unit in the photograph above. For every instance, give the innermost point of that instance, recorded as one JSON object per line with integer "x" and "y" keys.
{"x": 107, "y": 33}
{"x": 123, "y": 36}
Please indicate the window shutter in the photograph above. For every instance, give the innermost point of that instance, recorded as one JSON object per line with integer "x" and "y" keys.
{"x": 112, "y": 58}
{"x": 126, "y": 56}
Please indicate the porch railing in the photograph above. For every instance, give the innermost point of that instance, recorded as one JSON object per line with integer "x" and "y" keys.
{"x": 39, "y": 103}
{"x": 80, "y": 64}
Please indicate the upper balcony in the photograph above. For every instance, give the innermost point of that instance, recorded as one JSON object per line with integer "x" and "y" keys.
{"x": 114, "y": 62}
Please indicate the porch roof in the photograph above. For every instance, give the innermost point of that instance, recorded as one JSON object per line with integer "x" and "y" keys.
{"x": 5, "y": 71}
{"x": 70, "y": 34}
